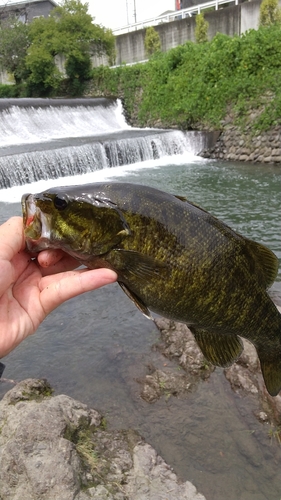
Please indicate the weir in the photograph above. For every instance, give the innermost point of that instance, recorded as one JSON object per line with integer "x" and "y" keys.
{"x": 51, "y": 138}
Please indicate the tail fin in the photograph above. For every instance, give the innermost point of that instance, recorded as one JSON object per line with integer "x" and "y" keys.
{"x": 271, "y": 370}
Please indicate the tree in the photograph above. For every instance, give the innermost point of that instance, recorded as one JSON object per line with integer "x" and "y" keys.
{"x": 152, "y": 42}
{"x": 68, "y": 31}
{"x": 270, "y": 13}
{"x": 14, "y": 42}
{"x": 201, "y": 29}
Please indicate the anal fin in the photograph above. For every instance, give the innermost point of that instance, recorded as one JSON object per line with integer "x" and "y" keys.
{"x": 218, "y": 349}
{"x": 271, "y": 370}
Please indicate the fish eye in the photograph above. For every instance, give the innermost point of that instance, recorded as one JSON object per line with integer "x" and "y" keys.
{"x": 60, "y": 203}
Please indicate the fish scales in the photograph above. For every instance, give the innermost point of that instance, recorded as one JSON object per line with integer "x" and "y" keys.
{"x": 171, "y": 257}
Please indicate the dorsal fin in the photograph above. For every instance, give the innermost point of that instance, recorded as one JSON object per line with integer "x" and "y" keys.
{"x": 181, "y": 198}
{"x": 266, "y": 262}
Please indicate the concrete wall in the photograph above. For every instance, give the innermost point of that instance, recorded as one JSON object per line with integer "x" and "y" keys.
{"x": 250, "y": 15}
{"x": 232, "y": 20}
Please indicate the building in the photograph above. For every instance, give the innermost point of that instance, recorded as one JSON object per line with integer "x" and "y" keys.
{"x": 26, "y": 11}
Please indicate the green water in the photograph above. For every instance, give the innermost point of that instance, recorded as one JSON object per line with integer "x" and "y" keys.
{"x": 96, "y": 348}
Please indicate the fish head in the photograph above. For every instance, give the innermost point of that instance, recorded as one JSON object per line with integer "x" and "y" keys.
{"x": 81, "y": 224}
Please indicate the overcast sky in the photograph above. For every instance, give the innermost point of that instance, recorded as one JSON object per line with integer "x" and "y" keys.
{"x": 114, "y": 13}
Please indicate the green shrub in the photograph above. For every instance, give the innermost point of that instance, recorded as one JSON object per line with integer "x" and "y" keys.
{"x": 270, "y": 13}
{"x": 8, "y": 91}
{"x": 201, "y": 29}
{"x": 193, "y": 85}
{"x": 152, "y": 42}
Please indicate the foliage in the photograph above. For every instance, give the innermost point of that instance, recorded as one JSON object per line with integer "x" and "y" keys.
{"x": 14, "y": 42}
{"x": 152, "y": 42}
{"x": 201, "y": 29}
{"x": 7, "y": 91}
{"x": 270, "y": 13}
{"x": 194, "y": 85}
{"x": 44, "y": 76}
{"x": 78, "y": 69}
{"x": 68, "y": 31}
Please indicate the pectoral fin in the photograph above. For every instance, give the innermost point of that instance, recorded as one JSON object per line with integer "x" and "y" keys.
{"x": 136, "y": 300}
{"x": 136, "y": 266}
{"x": 218, "y": 349}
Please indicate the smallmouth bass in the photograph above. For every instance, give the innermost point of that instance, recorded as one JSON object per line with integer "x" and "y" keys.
{"x": 171, "y": 257}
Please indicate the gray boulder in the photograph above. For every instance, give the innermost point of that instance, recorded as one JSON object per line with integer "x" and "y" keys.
{"x": 56, "y": 448}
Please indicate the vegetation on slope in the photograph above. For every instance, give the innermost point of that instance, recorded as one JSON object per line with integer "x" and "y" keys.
{"x": 195, "y": 85}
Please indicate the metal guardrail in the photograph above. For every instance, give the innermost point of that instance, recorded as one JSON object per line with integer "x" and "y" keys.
{"x": 172, "y": 16}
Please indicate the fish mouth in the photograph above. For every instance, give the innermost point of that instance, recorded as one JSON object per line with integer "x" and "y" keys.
{"x": 36, "y": 225}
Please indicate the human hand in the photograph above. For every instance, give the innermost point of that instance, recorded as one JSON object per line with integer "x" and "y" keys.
{"x": 31, "y": 289}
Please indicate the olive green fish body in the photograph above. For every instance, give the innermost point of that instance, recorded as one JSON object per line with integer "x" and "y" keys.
{"x": 171, "y": 257}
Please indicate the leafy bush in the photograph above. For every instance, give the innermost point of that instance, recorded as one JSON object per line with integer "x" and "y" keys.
{"x": 152, "y": 42}
{"x": 44, "y": 76}
{"x": 78, "y": 69}
{"x": 8, "y": 91}
{"x": 270, "y": 13}
{"x": 70, "y": 32}
{"x": 195, "y": 85}
{"x": 14, "y": 43}
{"x": 201, "y": 29}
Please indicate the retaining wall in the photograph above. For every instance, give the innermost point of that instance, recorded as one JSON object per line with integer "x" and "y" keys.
{"x": 232, "y": 20}
{"x": 235, "y": 145}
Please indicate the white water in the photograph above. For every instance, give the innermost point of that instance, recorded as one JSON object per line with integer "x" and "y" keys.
{"x": 14, "y": 194}
{"x": 54, "y": 141}
{"x": 81, "y": 159}
{"x": 25, "y": 125}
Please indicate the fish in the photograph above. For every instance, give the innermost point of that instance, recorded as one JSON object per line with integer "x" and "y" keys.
{"x": 172, "y": 258}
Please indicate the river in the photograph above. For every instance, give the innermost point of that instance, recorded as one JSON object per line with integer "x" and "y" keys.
{"x": 95, "y": 348}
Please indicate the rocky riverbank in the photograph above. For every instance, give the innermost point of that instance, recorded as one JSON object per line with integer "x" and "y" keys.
{"x": 244, "y": 376}
{"x": 53, "y": 447}
{"x": 56, "y": 448}
{"x": 242, "y": 144}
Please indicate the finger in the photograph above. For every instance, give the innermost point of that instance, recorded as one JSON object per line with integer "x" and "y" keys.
{"x": 11, "y": 238}
{"x": 71, "y": 284}
{"x": 48, "y": 258}
{"x": 55, "y": 261}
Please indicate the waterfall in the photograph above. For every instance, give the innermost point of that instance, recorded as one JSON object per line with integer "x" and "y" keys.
{"x": 49, "y": 138}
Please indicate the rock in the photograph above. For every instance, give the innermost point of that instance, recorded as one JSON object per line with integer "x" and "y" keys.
{"x": 154, "y": 479}
{"x": 244, "y": 375}
{"x": 178, "y": 344}
{"x": 163, "y": 383}
{"x": 56, "y": 448}
{"x": 240, "y": 143}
